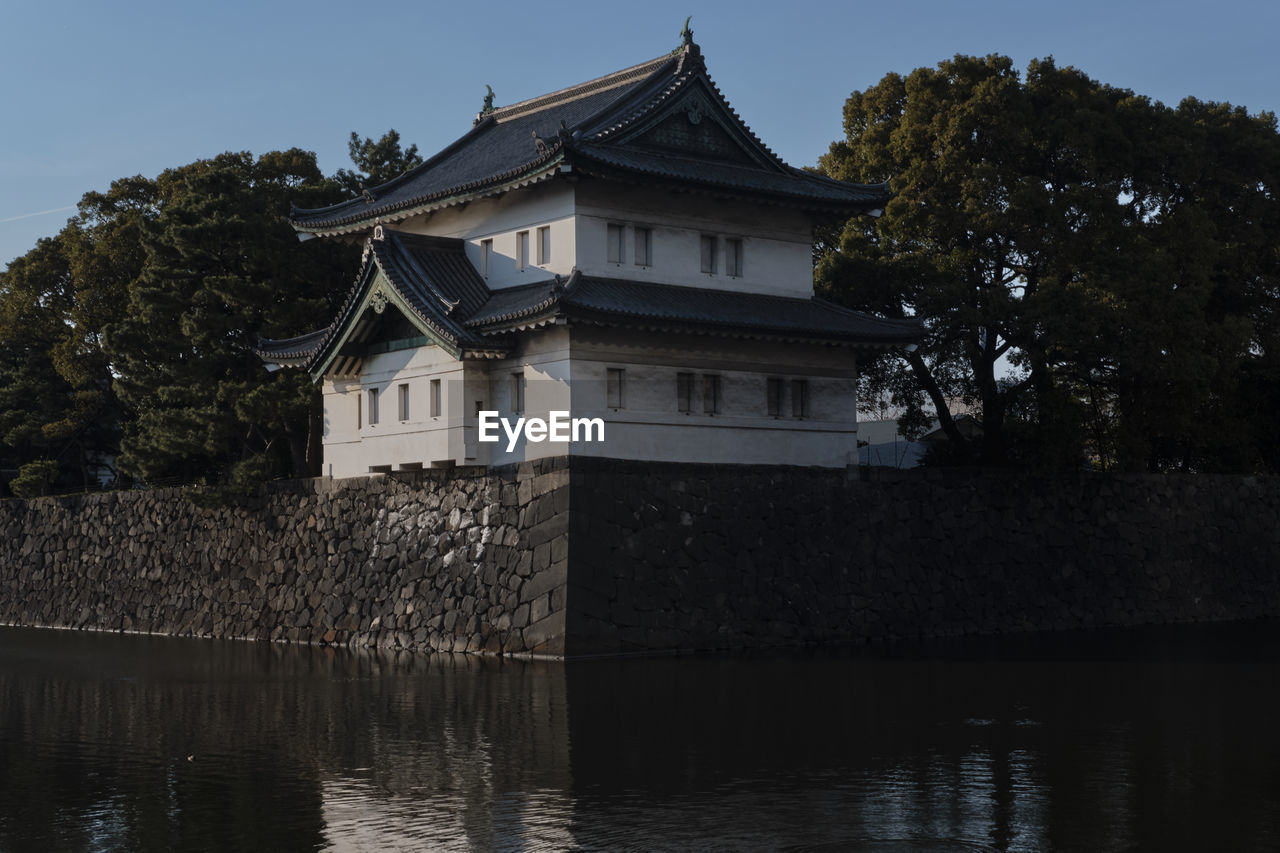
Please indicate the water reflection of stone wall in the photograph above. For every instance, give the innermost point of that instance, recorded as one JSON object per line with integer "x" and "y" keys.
{"x": 679, "y": 556}
{"x": 458, "y": 562}
{"x": 151, "y": 743}
{"x": 600, "y": 556}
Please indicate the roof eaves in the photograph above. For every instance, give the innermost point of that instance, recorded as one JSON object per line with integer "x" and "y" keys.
{"x": 543, "y": 168}
{"x": 430, "y": 162}
{"x": 291, "y": 352}
{"x": 605, "y": 169}
{"x": 328, "y": 348}
{"x": 728, "y": 330}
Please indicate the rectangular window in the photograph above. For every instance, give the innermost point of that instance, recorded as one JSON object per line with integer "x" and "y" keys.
{"x": 776, "y": 390}
{"x": 733, "y": 257}
{"x": 359, "y": 412}
{"x": 435, "y": 398}
{"x": 684, "y": 391}
{"x": 404, "y": 401}
{"x": 615, "y": 244}
{"x": 544, "y": 244}
{"x": 644, "y": 247}
{"x": 486, "y": 257}
{"x": 373, "y": 406}
{"x": 800, "y": 398}
{"x": 708, "y": 254}
{"x": 614, "y": 388}
{"x": 710, "y": 394}
{"x": 517, "y": 393}
{"x": 522, "y": 249}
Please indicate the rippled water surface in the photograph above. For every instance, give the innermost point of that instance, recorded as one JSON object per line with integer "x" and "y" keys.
{"x": 1158, "y": 739}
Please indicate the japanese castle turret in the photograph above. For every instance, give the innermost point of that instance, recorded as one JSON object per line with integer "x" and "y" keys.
{"x": 619, "y": 269}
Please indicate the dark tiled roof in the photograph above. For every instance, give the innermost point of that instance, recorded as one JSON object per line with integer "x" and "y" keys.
{"x": 593, "y": 124}
{"x": 447, "y": 296}
{"x": 792, "y": 184}
{"x": 431, "y": 275}
{"x": 433, "y": 272}
{"x": 291, "y": 352}
{"x": 499, "y": 147}
{"x": 690, "y": 309}
{"x": 513, "y": 303}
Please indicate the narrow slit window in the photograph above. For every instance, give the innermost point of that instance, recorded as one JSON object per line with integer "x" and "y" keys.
{"x": 708, "y": 254}
{"x": 733, "y": 257}
{"x": 644, "y": 247}
{"x": 435, "y": 398}
{"x": 710, "y": 394}
{"x": 522, "y": 249}
{"x": 359, "y": 412}
{"x": 684, "y": 392}
{"x": 800, "y": 398}
{"x": 613, "y": 390}
{"x": 404, "y": 401}
{"x": 615, "y": 243}
{"x": 486, "y": 257}
{"x": 776, "y": 390}
{"x": 544, "y": 244}
{"x": 373, "y": 406}
{"x": 517, "y": 393}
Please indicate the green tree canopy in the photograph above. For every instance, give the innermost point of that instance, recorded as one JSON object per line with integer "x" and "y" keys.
{"x": 376, "y": 161}
{"x": 127, "y": 339}
{"x": 1091, "y": 267}
{"x": 222, "y": 268}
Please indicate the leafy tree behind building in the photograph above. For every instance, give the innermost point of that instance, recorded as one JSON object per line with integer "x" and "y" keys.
{"x": 1097, "y": 273}
{"x": 125, "y": 341}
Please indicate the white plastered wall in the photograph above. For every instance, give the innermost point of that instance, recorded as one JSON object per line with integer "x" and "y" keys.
{"x": 501, "y": 219}
{"x": 353, "y": 445}
{"x": 565, "y": 369}
{"x": 777, "y": 242}
{"x": 649, "y": 425}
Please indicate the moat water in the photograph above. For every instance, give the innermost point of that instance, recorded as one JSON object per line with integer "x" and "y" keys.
{"x": 1156, "y": 739}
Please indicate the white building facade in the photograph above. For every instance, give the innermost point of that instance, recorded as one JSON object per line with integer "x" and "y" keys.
{"x": 623, "y": 253}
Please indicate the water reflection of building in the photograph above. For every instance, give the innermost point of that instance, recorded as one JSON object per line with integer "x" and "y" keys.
{"x": 999, "y": 745}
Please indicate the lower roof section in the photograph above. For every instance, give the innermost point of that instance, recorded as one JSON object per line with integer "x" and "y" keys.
{"x": 687, "y": 309}
{"x": 430, "y": 281}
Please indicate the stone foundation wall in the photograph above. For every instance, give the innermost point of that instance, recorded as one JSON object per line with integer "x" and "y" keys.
{"x": 590, "y": 556}
{"x": 457, "y": 562}
{"x": 667, "y": 556}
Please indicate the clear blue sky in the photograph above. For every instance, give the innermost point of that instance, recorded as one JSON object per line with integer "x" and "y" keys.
{"x": 94, "y": 91}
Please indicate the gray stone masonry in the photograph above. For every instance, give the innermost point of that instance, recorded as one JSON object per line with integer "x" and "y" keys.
{"x": 587, "y": 557}
{"x": 428, "y": 561}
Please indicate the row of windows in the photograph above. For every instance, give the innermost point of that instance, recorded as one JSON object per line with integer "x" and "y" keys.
{"x": 371, "y": 403}
{"x": 713, "y": 247}
{"x": 542, "y": 246}
{"x": 686, "y": 395}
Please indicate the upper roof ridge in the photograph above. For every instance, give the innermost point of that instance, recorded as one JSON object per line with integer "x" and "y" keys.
{"x": 599, "y": 84}
{"x": 597, "y": 121}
